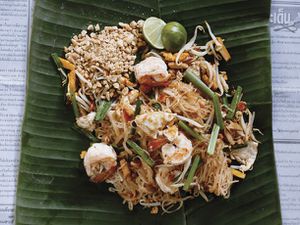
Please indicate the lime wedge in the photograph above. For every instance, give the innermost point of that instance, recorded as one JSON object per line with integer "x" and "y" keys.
{"x": 152, "y": 31}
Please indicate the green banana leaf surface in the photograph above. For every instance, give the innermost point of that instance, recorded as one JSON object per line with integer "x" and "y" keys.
{"x": 52, "y": 185}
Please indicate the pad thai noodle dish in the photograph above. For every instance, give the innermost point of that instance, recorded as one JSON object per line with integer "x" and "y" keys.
{"x": 164, "y": 124}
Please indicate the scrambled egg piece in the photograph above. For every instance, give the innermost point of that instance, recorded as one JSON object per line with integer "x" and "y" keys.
{"x": 151, "y": 123}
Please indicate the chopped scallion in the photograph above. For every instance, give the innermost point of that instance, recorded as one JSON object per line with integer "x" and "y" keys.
{"x": 156, "y": 106}
{"x": 191, "y": 174}
{"x": 192, "y": 77}
{"x": 138, "y": 105}
{"x": 59, "y": 65}
{"x": 190, "y": 131}
{"x": 227, "y": 107}
{"x": 74, "y": 105}
{"x": 213, "y": 139}
{"x": 102, "y": 110}
{"x": 87, "y": 134}
{"x": 141, "y": 152}
{"x": 56, "y": 60}
{"x": 218, "y": 113}
{"x": 225, "y": 100}
{"x": 236, "y": 99}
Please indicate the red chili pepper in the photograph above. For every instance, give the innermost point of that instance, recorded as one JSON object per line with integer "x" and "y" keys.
{"x": 162, "y": 97}
{"x": 145, "y": 88}
{"x": 127, "y": 117}
{"x": 156, "y": 144}
{"x": 92, "y": 106}
{"x": 241, "y": 106}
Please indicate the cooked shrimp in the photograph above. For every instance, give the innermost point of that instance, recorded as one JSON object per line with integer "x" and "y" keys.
{"x": 100, "y": 162}
{"x": 152, "y": 72}
{"x": 178, "y": 151}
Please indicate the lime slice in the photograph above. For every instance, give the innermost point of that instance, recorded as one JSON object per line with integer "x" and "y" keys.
{"x": 152, "y": 31}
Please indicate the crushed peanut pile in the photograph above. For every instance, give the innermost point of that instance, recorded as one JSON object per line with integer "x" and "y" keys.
{"x": 104, "y": 59}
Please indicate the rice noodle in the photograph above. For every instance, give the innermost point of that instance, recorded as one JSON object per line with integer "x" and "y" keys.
{"x": 213, "y": 37}
{"x": 65, "y": 80}
{"x": 142, "y": 175}
{"x": 216, "y": 65}
{"x": 189, "y": 121}
{"x": 82, "y": 103}
{"x": 214, "y": 175}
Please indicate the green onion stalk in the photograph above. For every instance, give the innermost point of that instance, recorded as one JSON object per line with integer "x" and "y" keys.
{"x": 213, "y": 140}
{"x": 87, "y": 134}
{"x": 236, "y": 99}
{"x": 102, "y": 110}
{"x": 63, "y": 75}
{"x": 191, "y": 173}
{"x": 192, "y": 77}
{"x": 190, "y": 131}
{"x": 141, "y": 152}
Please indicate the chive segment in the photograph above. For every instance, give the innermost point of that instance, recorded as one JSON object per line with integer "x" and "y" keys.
{"x": 191, "y": 174}
{"x": 74, "y": 105}
{"x": 156, "y": 106}
{"x": 87, "y": 134}
{"x": 236, "y": 99}
{"x": 56, "y": 60}
{"x": 225, "y": 100}
{"x": 141, "y": 152}
{"x": 190, "y": 131}
{"x": 137, "y": 111}
{"x": 192, "y": 77}
{"x": 59, "y": 65}
{"x": 218, "y": 113}
{"x": 138, "y": 105}
{"x": 213, "y": 140}
{"x": 102, "y": 110}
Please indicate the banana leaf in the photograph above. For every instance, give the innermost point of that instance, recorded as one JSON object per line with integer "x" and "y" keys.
{"x": 52, "y": 185}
